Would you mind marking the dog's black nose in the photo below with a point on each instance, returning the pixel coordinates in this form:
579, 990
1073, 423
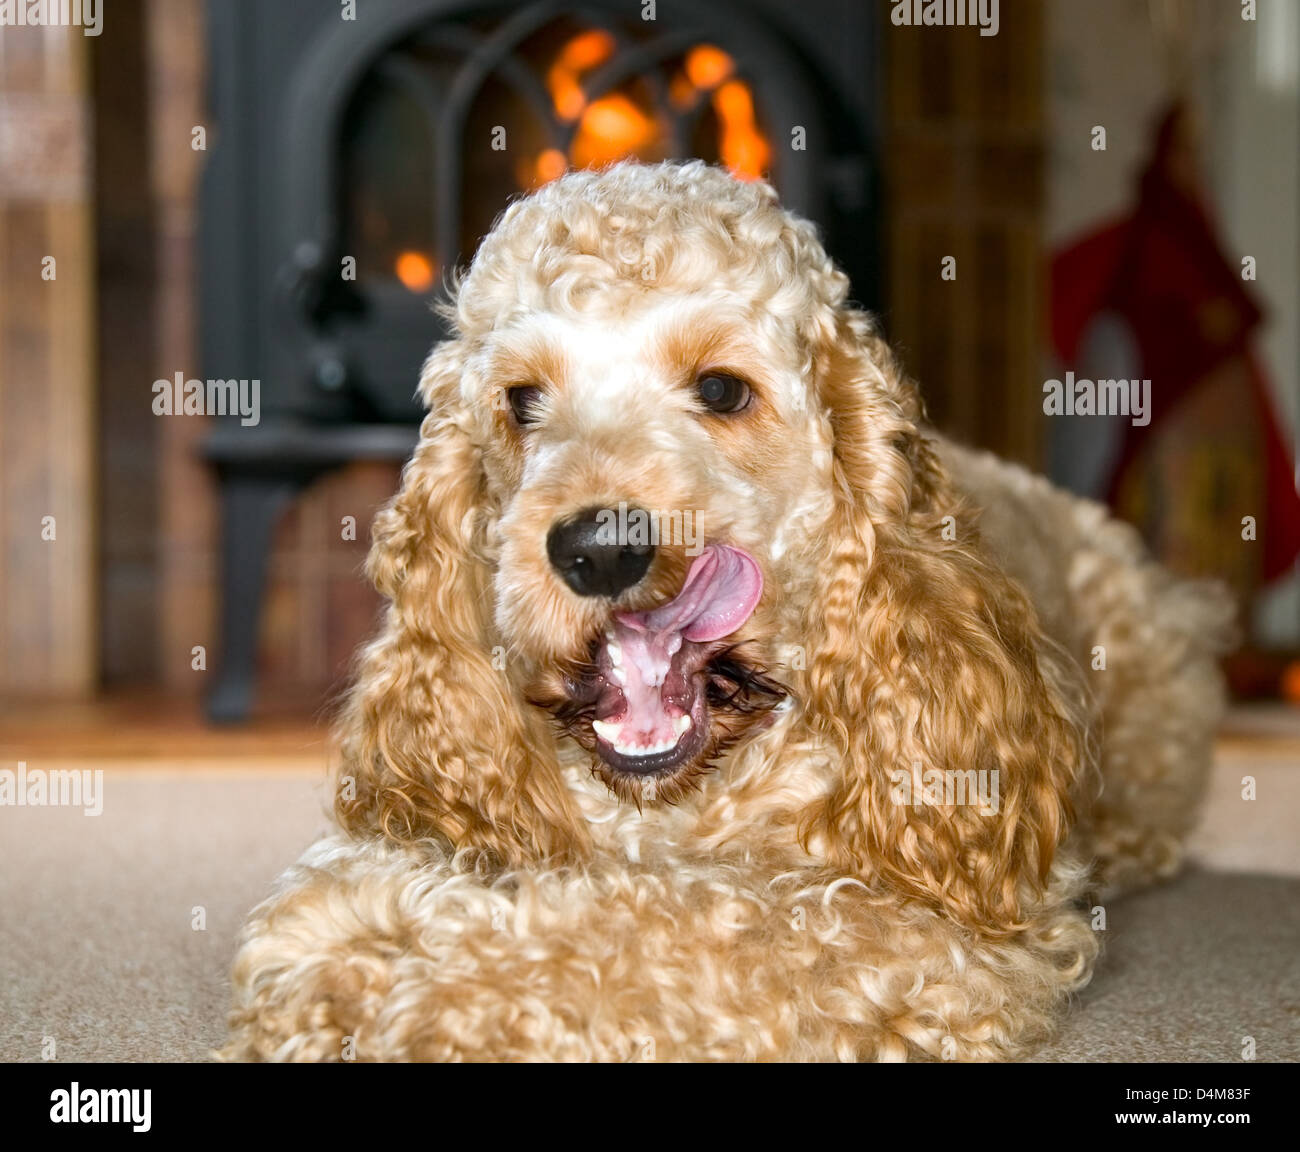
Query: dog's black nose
593, 556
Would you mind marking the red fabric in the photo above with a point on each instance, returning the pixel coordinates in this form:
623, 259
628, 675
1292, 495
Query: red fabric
1164, 272
1282, 530
1081, 278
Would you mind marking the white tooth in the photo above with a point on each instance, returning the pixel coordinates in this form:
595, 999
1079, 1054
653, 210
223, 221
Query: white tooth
618, 675
681, 724
634, 750
606, 731
615, 651
641, 750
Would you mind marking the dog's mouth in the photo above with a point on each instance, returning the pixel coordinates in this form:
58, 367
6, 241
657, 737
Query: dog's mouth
664, 690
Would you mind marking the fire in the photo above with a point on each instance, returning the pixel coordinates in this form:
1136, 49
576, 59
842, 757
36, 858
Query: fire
531, 172
682, 93
610, 129
581, 54
587, 50
614, 127
415, 270
744, 150
707, 66
551, 165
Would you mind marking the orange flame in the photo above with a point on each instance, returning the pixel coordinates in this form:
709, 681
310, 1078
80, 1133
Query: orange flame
682, 93
743, 148
707, 66
587, 50
415, 270
584, 52
551, 165
614, 127
610, 129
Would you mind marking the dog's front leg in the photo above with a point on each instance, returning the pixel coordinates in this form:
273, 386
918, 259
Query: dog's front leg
370, 952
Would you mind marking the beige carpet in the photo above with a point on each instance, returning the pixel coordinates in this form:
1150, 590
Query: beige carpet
98, 948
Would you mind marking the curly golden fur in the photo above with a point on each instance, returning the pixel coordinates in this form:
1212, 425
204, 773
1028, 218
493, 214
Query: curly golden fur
499, 891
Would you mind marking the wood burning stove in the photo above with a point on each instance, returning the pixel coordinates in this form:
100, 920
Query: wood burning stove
357, 162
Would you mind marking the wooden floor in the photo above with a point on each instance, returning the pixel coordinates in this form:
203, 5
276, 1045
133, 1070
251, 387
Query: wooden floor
151, 727
1266, 729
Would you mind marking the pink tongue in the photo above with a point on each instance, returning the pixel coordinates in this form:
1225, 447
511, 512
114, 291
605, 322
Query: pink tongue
720, 593
721, 590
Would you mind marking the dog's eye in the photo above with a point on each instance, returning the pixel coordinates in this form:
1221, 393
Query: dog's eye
719, 392
523, 402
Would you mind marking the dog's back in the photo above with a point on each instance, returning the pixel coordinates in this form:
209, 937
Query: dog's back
1147, 643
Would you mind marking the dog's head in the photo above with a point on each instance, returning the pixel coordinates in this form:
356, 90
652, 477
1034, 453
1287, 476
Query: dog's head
669, 483
634, 360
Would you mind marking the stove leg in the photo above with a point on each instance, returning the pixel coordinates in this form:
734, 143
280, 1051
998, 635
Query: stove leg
250, 507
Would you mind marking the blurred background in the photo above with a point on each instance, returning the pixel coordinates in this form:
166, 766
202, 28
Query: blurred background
253, 190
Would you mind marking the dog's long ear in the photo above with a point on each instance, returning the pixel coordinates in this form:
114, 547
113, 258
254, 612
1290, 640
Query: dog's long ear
434, 739
925, 662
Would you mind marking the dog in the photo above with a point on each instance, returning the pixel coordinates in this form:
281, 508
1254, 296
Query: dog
835, 774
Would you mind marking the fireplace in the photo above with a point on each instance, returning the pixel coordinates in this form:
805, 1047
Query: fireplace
357, 163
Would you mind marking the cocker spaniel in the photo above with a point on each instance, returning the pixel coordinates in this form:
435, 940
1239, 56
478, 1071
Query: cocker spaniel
721, 709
